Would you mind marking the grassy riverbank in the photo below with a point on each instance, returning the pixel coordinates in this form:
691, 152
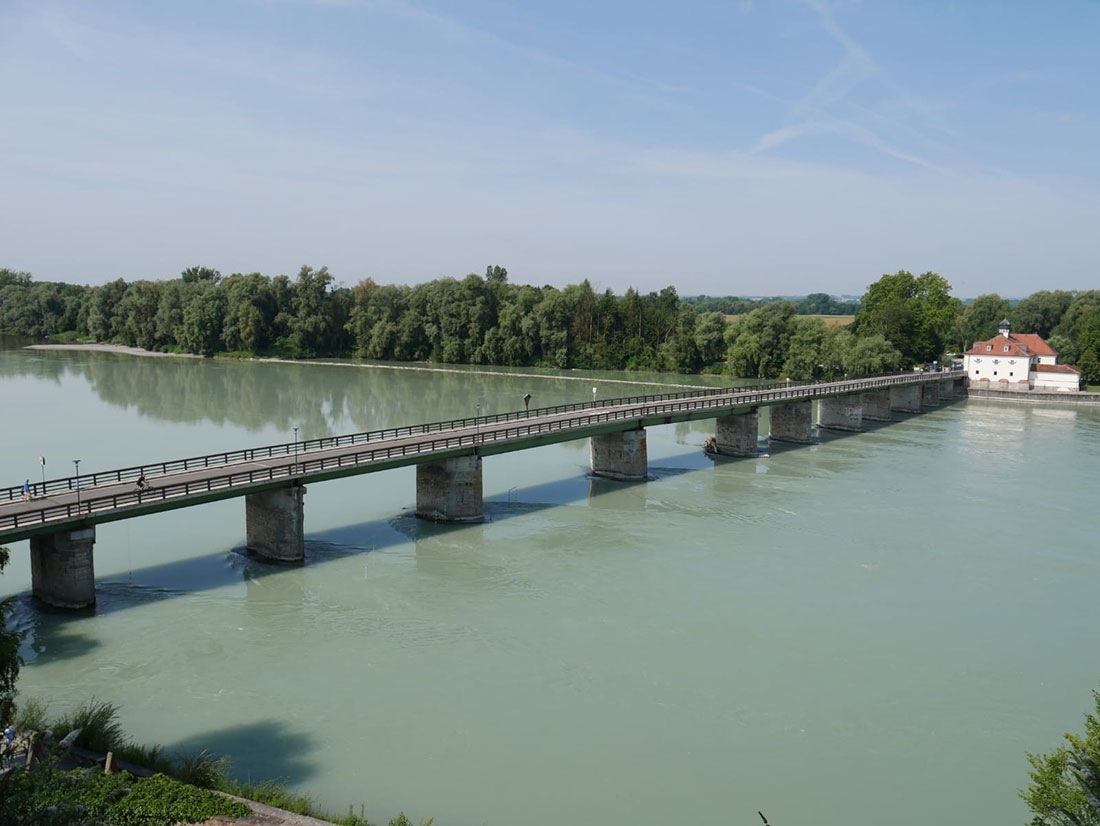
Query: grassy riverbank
100, 732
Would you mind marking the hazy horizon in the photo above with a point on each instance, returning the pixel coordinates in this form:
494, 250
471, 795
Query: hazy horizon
726, 148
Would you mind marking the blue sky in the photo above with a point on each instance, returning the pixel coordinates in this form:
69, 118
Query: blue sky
724, 147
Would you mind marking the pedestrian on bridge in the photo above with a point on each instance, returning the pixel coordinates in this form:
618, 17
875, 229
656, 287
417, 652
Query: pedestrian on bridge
27, 490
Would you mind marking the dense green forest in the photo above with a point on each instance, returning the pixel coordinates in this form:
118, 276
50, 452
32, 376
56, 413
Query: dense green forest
902, 320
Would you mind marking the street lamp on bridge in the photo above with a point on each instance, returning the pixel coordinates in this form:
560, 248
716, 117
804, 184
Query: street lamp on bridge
77, 463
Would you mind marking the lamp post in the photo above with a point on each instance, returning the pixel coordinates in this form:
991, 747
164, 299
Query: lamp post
477, 424
42, 461
295, 449
527, 402
593, 395
77, 463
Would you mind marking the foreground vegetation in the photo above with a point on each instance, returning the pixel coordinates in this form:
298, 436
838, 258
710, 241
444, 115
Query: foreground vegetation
176, 791
1065, 782
47, 795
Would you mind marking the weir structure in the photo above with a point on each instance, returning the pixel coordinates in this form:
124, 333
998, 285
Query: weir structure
61, 515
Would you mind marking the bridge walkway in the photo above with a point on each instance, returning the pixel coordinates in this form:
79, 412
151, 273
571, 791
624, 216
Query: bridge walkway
110, 495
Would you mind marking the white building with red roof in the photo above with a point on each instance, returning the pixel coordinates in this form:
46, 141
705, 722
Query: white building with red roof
1018, 361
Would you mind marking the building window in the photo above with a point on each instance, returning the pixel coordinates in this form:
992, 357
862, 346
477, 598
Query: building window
988, 347
1006, 348
1011, 373
994, 372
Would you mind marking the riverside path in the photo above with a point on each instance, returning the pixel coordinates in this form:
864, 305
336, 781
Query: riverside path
60, 516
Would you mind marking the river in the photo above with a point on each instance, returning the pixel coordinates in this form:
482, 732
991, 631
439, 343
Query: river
872, 629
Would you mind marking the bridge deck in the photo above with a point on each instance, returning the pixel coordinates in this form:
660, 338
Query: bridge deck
112, 495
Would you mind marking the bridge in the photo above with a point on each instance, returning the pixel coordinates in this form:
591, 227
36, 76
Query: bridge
60, 515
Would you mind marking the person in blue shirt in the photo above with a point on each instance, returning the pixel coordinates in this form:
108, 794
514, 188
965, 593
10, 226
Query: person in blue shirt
27, 490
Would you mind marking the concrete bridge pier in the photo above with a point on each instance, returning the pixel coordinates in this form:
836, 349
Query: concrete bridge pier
792, 422
930, 394
736, 434
62, 569
876, 405
450, 491
905, 398
621, 456
841, 412
275, 524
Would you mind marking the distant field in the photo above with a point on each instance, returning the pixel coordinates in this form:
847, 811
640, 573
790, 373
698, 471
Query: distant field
830, 320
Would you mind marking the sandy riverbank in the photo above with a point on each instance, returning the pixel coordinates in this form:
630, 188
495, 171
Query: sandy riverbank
111, 348
137, 351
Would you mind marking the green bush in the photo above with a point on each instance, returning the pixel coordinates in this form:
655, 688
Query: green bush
160, 800
1065, 782
119, 799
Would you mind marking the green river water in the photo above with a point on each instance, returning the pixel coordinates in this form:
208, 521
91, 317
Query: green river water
873, 629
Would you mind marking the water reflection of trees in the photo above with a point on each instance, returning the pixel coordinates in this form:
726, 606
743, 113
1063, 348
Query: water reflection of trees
319, 399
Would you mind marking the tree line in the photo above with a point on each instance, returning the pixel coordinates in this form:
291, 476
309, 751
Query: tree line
902, 320
812, 304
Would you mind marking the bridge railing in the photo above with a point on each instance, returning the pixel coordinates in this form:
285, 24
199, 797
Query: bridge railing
310, 465
286, 449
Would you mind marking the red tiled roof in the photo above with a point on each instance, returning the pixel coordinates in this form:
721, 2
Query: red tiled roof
1019, 344
998, 344
1055, 368
1034, 343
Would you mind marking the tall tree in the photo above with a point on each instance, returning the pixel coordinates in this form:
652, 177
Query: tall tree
979, 320
203, 322
761, 341
1040, 312
193, 275
915, 314
804, 355
710, 329
311, 327
869, 356
138, 309
1078, 319
103, 320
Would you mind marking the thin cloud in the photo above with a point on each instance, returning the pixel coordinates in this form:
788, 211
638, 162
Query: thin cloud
814, 111
847, 129
454, 28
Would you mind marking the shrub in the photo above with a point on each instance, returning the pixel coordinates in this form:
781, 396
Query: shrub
76, 797
1065, 783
